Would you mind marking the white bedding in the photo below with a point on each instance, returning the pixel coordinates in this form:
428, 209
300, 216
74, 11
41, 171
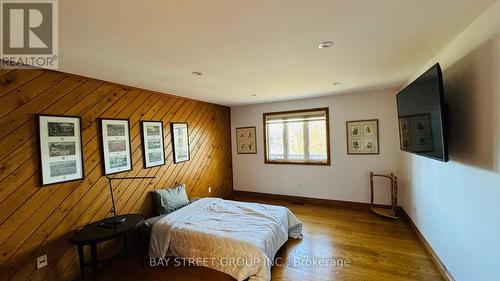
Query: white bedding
238, 238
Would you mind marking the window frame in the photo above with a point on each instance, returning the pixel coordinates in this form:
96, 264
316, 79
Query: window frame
299, 162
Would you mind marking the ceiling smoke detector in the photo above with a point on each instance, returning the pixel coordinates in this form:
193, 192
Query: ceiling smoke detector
325, 44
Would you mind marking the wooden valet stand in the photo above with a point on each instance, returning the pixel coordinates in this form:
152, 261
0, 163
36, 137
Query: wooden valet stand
386, 210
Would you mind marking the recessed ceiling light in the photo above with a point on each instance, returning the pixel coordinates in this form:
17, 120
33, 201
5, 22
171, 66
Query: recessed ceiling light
325, 44
197, 73
336, 83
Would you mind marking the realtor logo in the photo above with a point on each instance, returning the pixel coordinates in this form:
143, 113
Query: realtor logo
29, 34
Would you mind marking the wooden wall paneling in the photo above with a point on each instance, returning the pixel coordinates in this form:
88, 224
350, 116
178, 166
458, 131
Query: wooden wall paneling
93, 146
12, 161
26, 92
12, 79
200, 150
203, 152
167, 138
218, 174
196, 149
189, 117
134, 192
129, 188
28, 130
103, 210
103, 197
199, 132
168, 173
104, 202
126, 100
10, 122
137, 151
56, 226
210, 162
24, 153
34, 220
27, 169
165, 172
89, 199
5, 71
51, 200
83, 220
39, 196
206, 149
193, 177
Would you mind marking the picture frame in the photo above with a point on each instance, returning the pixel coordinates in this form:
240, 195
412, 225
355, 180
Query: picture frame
153, 147
246, 141
60, 148
362, 137
115, 146
180, 141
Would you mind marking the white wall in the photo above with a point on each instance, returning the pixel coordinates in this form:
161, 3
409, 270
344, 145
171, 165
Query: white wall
347, 177
456, 205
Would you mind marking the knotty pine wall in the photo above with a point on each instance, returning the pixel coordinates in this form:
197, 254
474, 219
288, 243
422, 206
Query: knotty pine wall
37, 220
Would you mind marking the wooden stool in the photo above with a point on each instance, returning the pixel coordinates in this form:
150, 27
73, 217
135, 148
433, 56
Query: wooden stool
386, 211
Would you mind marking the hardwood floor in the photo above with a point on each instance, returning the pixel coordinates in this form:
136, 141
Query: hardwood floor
376, 248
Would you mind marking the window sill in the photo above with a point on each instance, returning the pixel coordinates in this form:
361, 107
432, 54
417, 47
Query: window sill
312, 163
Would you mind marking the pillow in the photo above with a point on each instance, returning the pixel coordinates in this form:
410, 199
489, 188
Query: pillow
170, 199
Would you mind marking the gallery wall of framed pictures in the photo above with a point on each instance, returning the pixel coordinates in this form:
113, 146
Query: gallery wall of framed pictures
61, 153
153, 149
362, 137
115, 140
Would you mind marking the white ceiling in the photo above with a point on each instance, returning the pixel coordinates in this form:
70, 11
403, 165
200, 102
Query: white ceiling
262, 47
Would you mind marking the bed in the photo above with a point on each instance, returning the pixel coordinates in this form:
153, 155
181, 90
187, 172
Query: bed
237, 238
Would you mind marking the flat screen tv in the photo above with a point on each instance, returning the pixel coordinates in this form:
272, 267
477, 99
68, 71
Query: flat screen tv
422, 118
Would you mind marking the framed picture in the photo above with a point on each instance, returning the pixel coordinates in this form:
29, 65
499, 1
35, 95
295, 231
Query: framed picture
180, 142
116, 154
61, 152
362, 137
246, 140
153, 150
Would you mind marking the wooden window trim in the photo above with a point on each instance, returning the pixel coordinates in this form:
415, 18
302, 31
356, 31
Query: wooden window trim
308, 162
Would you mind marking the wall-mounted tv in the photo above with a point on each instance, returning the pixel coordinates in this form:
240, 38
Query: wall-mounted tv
422, 118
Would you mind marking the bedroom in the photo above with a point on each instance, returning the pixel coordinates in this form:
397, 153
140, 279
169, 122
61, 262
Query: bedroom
230, 140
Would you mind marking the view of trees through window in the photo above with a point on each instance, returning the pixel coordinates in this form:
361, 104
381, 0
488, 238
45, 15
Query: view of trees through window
299, 136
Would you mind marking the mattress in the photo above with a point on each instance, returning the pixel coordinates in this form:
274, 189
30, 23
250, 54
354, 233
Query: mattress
237, 238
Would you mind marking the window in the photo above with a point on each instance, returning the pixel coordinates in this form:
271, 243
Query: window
297, 137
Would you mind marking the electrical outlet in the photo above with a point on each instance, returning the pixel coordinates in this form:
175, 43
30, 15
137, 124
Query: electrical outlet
41, 261
209, 189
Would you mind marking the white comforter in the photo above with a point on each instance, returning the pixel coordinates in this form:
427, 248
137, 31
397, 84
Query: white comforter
240, 239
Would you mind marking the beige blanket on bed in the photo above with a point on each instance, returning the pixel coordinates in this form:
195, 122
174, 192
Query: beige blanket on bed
240, 239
